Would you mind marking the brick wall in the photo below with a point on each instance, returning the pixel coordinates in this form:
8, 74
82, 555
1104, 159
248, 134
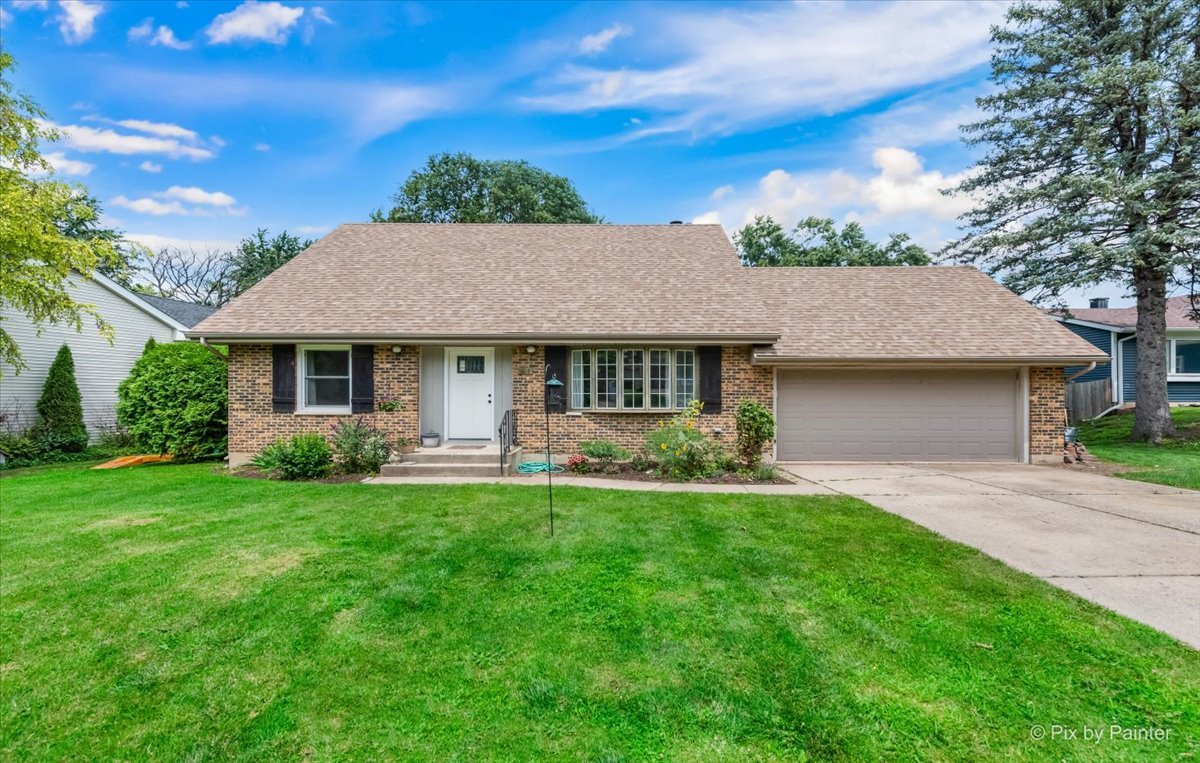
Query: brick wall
1047, 413
253, 424
739, 381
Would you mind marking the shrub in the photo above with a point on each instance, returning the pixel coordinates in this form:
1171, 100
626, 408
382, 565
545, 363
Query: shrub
641, 462
681, 449
306, 456
60, 410
360, 447
578, 463
270, 458
755, 427
174, 401
604, 451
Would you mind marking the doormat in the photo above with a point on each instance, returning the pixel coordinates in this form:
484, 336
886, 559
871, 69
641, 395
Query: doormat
466, 447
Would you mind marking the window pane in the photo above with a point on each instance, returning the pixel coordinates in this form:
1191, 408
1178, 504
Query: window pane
685, 377
328, 392
633, 377
470, 364
581, 378
1187, 356
660, 378
328, 362
606, 378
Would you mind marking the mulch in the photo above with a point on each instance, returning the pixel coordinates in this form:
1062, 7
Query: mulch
627, 472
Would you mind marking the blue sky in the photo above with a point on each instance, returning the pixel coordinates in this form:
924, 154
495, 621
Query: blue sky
197, 122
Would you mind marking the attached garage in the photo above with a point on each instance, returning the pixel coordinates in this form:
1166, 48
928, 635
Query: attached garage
877, 415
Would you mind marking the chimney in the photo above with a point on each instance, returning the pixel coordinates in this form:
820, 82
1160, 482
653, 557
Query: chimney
1096, 302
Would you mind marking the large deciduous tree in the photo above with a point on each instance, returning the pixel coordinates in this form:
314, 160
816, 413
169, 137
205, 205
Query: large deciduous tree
458, 188
816, 242
260, 255
1092, 170
36, 255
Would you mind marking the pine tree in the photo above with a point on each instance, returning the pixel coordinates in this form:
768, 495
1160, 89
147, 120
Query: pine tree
60, 410
1092, 170
150, 345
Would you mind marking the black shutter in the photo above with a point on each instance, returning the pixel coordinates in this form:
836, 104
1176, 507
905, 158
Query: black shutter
556, 358
709, 359
283, 378
362, 378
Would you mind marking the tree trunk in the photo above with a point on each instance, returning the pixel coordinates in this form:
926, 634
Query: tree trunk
1152, 415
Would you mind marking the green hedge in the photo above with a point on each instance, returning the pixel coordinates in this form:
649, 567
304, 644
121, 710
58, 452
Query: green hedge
175, 401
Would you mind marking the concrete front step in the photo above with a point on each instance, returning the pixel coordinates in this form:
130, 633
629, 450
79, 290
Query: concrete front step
410, 469
489, 455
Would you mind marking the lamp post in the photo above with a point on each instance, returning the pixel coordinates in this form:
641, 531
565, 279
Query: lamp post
552, 396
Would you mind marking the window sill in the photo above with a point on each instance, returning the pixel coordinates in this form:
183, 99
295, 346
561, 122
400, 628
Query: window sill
324, 411
625, 411
1183, 377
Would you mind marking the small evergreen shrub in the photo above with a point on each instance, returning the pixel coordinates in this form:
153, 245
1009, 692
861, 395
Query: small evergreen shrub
360, 447
60, 425
682, 451
605, 452
175, 401
306, 456
755, 427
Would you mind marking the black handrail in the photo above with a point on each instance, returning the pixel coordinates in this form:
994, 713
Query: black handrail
508, 436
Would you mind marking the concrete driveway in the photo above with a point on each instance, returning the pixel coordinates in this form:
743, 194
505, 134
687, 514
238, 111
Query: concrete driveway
1130, 546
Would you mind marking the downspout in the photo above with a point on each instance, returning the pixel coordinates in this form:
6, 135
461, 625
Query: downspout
1090, 367
225, 358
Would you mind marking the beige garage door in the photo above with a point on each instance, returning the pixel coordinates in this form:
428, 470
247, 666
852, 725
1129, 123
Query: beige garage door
898, 416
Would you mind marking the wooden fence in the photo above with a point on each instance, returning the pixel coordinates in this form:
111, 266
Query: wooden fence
1088, 399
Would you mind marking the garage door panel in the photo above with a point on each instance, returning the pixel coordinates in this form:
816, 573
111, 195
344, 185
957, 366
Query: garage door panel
907, 416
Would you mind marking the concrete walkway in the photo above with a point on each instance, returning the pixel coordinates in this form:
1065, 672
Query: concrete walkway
1130, 546
800, 487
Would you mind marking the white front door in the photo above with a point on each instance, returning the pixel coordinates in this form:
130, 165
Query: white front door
470, 390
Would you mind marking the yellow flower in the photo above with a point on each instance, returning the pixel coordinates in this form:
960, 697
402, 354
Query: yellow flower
677, 453
690, 423
662, 446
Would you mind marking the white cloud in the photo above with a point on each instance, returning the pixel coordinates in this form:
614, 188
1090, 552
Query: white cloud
309, 230
217, 141
254, 21
181, 4
85, 138
318, 13
195, 195
149, 166
24, 5
142, 30
720, 193
751, 66
901, 192
598, 43
148, 206
64, 165
77, 20
6, 18
155, 242
166, 38
313, 15
264, 147
161, 129
925, 119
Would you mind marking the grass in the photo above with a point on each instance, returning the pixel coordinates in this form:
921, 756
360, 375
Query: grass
172, 612
1176, 462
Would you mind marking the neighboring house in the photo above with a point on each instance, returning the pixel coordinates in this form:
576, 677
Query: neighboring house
99, 365
1113, 330
459, 322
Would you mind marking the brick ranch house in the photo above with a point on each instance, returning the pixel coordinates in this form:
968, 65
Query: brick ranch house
460, 322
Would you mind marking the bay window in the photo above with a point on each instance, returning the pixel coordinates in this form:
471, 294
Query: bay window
632, 379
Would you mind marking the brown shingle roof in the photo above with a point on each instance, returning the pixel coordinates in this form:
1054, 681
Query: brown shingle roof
395, 282
1178, 315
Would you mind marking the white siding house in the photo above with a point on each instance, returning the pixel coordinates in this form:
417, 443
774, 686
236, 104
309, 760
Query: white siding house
99, 365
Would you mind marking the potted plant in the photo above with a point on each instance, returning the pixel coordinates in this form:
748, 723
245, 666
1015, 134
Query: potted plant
389, 404
407, 445
430, 439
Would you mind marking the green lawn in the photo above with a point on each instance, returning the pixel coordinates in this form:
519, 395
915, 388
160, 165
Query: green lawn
172, 612
1176, 462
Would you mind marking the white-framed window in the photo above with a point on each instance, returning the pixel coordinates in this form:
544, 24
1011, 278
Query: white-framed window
325, 378
632, 378
1183, 357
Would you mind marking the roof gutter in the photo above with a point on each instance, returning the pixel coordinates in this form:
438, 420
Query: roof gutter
926, 362
510, 338
1089, 367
